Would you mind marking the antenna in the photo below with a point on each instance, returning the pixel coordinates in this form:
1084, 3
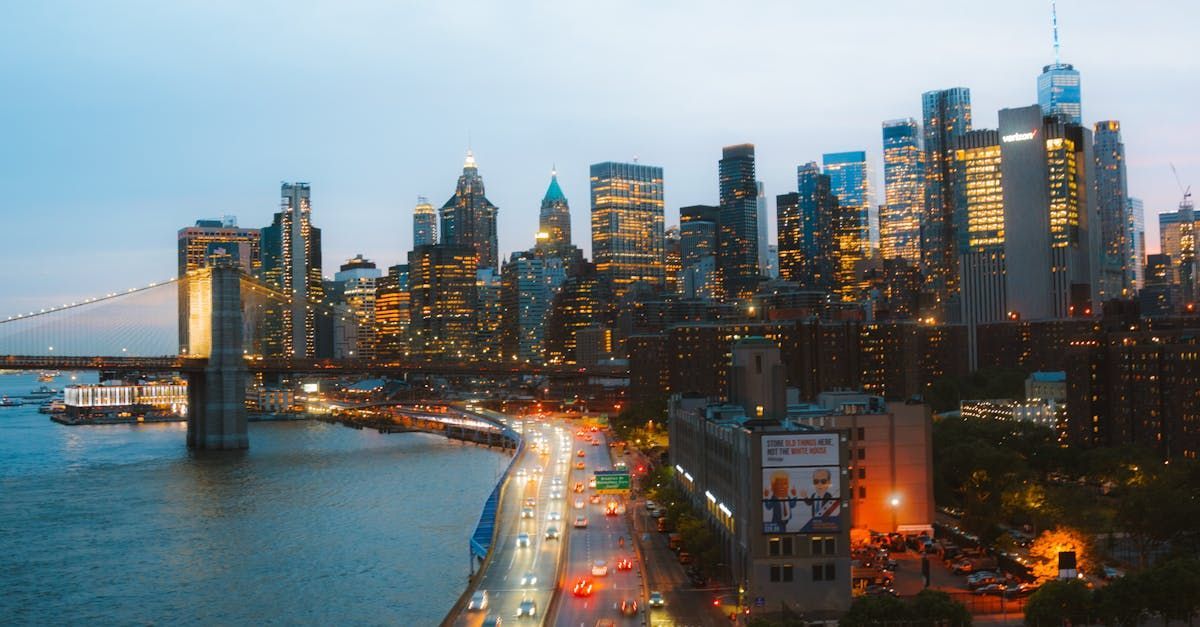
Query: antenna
1054, 25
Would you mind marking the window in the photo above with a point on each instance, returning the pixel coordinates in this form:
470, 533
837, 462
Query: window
783, 572
824, 572
830, 546
862, 433
862, 453
862, 473
787, 572
773, 547
787, 546
830, 572
862, 491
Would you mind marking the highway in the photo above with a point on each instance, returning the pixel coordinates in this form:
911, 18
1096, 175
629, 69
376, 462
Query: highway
606, 538
507, 579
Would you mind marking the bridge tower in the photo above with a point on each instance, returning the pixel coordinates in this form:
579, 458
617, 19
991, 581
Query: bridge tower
217, 391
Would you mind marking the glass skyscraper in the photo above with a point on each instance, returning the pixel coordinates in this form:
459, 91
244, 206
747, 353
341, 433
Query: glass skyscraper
807, 248
1112, 203
1058, 92
903, 182
737, 241
947, 116
627, 224
291, 264
1136, 215
469, 219
555, 217
849, 182
424, 223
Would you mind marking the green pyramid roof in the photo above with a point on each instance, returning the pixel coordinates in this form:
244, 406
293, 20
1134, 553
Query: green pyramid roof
554, 192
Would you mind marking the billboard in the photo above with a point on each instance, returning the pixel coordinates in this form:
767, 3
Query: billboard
612, 482
800, 449
801, 483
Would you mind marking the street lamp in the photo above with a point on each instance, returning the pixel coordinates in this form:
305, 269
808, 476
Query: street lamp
895, 502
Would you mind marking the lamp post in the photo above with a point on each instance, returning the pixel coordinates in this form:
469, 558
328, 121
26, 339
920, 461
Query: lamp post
895, 502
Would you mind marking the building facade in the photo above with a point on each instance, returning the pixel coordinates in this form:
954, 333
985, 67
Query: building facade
425, 232
849, 181
469, 218
946, 116
627, 224
737, 238
554, 219
1058, 93
291, 250
442, 302
197, 245
1112, 205
904, 189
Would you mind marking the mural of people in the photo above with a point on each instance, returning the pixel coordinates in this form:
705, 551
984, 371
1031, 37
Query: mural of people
780, 499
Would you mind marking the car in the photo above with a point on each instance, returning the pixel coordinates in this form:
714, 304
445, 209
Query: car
610, 509
522, 539
995, 589
656, 599
599, 568
649, 505
1111, 573
579, 453
629, 607
526, 512
605, 622
580, 466
578, 486
594, 499
592, 483
478, 602
624, 564
492, 621
578, 503
531, 502
595, 443
527, 608
556, 494
981, 579
551, 532
556, 481
581, 521
555, 515
656, 513
698, 580
529, 579
582, 588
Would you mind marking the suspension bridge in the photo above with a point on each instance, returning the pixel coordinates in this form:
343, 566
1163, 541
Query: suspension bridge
212, 327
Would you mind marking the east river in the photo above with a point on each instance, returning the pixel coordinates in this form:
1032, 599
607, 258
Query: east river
315, 524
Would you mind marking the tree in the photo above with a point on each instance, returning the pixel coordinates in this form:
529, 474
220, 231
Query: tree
1046, 548
1172, 589
1059, 601
934, 607
875, 610
1122, 602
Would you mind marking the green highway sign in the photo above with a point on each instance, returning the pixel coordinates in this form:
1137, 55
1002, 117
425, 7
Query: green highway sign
612, 482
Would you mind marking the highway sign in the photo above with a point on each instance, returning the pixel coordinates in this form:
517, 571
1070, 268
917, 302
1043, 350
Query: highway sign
612, 481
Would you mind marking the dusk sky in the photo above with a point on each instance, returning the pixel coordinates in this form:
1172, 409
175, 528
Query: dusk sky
125, 121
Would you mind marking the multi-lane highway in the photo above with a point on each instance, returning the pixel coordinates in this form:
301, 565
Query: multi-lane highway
606, 539
524, 561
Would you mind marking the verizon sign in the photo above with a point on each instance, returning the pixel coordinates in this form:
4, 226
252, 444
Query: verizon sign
1019, 137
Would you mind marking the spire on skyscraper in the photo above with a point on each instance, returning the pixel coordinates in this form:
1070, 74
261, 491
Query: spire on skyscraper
470, 162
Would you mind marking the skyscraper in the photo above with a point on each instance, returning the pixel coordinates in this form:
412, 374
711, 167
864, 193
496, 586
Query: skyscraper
424, 223
442, 302
947, 115
849, 182
356, 284
291, 250
627, 224
807, 248
530, 280
1136, 215
469, 219
392, 314
1112, 203
737, 237
198, 245
903, 182
1049, 235
1177, 239
764, 259
979, 198
1058, 85
698, 251
555, 217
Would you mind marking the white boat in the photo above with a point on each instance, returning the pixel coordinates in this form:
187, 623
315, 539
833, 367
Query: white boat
11, 402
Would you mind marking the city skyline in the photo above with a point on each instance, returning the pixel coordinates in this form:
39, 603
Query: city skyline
153, 152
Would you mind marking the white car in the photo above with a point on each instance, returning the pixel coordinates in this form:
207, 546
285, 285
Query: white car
527, 608
551, 532
581, 521
522, 539
529, 579
556, 494
554, 516
527, 512
478, 602
599, 568
578, 503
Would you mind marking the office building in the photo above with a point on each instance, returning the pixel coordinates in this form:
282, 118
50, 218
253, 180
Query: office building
904, 190
698, 225
979, 199
1112, 204
627, 225
198, 245
529, 282
737, 236
849, 181
443, 302
469, 218
291, 251
1136, 215
807, 248
1046, 173
673, 268
1159, 297
356, 282
425, 232
1177, 239
583, 300
764, 257
773, 491
946, 116
392, 314
555, 217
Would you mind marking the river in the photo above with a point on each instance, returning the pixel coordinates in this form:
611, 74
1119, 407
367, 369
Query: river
314, 524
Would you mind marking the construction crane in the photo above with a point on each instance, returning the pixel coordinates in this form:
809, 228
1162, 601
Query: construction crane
1187, 192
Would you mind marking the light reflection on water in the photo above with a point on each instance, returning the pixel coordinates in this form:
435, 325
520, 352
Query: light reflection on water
315, 524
